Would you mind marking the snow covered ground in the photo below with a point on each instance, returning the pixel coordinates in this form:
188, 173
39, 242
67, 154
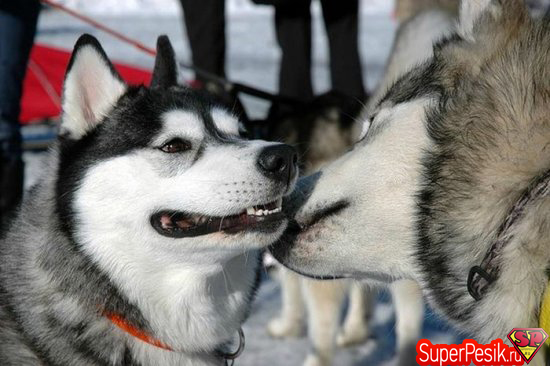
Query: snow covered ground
170, 7
252, 58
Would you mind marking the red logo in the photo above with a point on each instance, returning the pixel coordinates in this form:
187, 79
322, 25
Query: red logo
527, 341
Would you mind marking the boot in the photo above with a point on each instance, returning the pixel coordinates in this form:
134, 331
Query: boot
11, 188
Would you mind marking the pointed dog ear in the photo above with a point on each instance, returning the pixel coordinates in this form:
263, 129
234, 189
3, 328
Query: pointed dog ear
471, 12
91, 88
478, 16
485, 26
165, 73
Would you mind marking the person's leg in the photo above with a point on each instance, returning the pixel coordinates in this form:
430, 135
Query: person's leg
17, 30
341, 22
293, 29
205, 26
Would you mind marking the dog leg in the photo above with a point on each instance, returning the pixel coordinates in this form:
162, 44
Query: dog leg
324, 302
291, 321
355, 329
409, 313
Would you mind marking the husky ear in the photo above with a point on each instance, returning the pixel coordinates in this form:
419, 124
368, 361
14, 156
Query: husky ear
165, 73
471, 11
485, 26
479, 17
92, 87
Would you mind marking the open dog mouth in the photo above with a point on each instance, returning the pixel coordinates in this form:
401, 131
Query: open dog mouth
177, 224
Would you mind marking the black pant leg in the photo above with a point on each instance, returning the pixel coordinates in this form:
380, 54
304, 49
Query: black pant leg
205, 26
293, 29
341, 22
17, 29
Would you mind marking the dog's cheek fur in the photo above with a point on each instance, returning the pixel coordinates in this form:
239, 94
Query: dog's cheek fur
194, 292
382, 176
178, 285
62, 323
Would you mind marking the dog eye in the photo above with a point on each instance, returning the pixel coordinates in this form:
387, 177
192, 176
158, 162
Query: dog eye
365, 129
175, 146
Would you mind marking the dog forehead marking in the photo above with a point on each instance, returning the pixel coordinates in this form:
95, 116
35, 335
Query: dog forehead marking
182, 123
225, 122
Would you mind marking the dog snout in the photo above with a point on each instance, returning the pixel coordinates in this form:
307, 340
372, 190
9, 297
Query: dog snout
279, 162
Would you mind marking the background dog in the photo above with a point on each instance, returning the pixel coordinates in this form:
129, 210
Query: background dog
321, 132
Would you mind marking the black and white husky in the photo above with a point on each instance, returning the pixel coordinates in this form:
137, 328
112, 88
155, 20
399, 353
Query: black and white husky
140, 244
454, 159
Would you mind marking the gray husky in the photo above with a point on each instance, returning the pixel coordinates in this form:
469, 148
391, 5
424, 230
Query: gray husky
140, 244
449, 183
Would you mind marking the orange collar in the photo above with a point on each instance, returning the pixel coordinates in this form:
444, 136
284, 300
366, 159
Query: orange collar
120, 322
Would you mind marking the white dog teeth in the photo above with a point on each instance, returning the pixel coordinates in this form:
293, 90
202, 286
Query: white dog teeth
251, 211
266, 212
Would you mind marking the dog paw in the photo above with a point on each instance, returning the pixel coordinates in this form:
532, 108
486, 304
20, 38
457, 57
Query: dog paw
315, 360
348, 338
281, 328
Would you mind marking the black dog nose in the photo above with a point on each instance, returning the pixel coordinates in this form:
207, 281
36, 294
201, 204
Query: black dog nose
278, 162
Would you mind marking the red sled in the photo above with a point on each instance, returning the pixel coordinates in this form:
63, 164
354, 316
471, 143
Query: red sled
44, 80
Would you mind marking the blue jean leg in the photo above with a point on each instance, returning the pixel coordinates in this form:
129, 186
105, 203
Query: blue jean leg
17, 30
